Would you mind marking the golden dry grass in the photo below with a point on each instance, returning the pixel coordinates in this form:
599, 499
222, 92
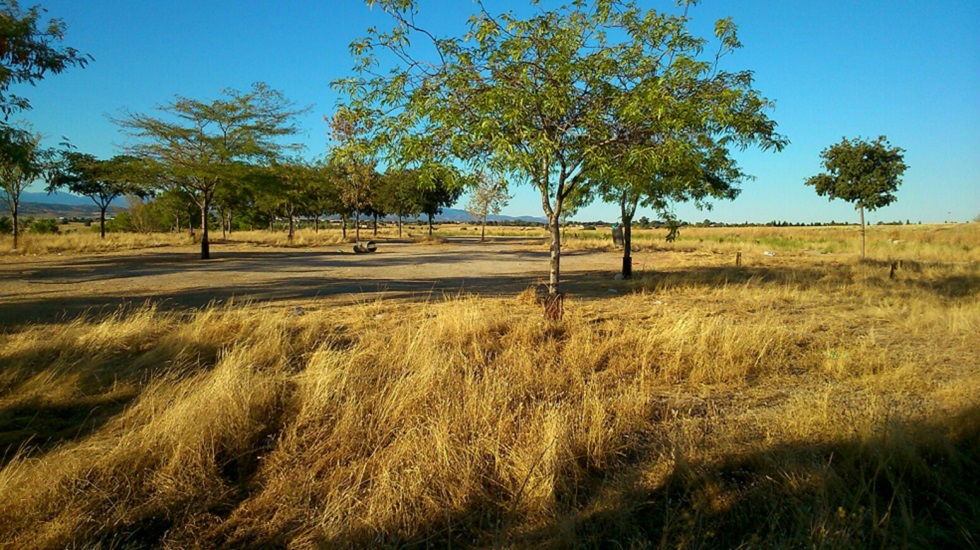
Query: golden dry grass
805, 403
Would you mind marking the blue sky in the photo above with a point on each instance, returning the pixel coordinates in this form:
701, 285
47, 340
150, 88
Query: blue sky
906, 69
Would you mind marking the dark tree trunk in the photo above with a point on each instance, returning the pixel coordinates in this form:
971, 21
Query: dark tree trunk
292, 230
316, 223
16, 221
102, 220
627, 257
399, 226
343, 225
430, 225
483, 230
205, 244
357, 226
627, 210
375, 225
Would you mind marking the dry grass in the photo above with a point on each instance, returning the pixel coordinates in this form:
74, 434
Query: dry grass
806, 402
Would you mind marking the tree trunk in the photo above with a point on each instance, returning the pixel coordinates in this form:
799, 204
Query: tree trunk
102, 220
177, 215
554, 227
862, 231
205, 244
375, 225
343, 225
627, 257
16, 222
399, 226
316, 223
430, 225
483, 230
292, 230
357, 225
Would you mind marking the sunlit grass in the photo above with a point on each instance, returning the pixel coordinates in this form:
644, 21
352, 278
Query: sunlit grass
800, 402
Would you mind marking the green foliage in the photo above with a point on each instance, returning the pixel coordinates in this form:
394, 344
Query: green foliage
196, 147
29, 52
43, 225
559, 100
866, 173
6, 226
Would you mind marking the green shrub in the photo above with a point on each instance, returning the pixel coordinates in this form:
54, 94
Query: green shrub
6, 225
43, 225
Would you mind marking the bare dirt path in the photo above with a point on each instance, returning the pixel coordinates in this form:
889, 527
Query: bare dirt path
50, 288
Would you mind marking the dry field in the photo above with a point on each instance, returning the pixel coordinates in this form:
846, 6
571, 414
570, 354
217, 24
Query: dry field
417, 397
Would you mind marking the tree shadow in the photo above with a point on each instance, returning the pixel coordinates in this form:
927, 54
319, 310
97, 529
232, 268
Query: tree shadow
90, 388
910, 486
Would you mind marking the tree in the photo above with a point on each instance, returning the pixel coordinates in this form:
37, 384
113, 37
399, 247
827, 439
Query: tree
686, 167
866, 173
100, 180
199, 146
356, 182
488, 195
438, 193
22, 161
399, 194
544, 98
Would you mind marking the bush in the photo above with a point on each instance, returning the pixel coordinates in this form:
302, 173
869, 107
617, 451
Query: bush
6, 225
43, 225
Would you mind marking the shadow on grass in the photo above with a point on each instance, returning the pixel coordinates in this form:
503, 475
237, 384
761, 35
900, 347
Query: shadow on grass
911, 486
89, 389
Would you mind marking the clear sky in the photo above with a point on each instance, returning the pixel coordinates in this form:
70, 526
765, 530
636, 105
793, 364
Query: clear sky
906, 69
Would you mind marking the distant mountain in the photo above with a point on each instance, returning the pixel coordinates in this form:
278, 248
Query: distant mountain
55, 210
55, 198
457, 215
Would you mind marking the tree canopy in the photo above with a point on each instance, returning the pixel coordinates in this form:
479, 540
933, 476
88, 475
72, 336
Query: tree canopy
556, 99
197, 146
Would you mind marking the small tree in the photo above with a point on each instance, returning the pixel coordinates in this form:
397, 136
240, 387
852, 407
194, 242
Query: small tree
399, 194
488, 196
866, 173
100, 180
22, 161
437, 193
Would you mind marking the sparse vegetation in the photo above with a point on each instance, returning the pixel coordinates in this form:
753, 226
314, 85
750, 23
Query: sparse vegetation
809, 401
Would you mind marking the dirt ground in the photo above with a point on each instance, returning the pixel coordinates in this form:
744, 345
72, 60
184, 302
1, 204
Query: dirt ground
43, 289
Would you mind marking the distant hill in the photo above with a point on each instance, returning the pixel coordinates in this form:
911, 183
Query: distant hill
457, 215
55, 210
62, 198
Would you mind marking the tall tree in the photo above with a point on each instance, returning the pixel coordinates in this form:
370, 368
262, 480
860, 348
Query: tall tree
200, 146
866, 173
22, 162
488, 195
100, 180
544, 97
